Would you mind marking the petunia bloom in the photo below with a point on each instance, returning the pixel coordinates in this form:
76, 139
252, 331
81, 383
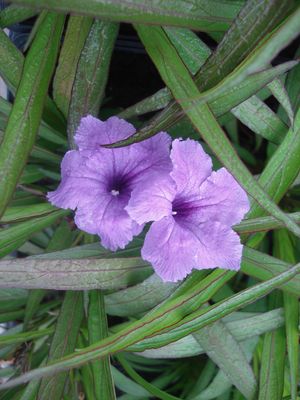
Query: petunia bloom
98, 182
193, 209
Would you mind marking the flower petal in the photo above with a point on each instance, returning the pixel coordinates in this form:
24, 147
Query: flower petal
191, 166
108, 219
175, 249
92, 132
78, 182
223, 199
152, 200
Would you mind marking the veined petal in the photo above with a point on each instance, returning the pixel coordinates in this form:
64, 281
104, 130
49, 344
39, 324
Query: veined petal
191, 166
223, 199
174, 249
92, 132
152, 200
79, 185
108, 219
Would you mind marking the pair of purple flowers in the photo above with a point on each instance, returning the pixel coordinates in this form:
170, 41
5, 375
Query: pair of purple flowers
116, 191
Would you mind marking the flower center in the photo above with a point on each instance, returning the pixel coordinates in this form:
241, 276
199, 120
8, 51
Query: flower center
181, 208
118, 186
115, 192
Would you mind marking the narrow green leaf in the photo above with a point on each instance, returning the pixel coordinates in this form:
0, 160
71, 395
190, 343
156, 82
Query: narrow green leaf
262, 224
63, 343
12, 299
60, 274
25, 117
149, 326
13, 237
97, 329
213, 16
75, 36
284, 249
139, 298
241, 326
221, 384
282, 169
153, 390
256, 19
255, 114
272, 363
91, 74
180, 82
191, 49
21, 213
11, 72
279, 92
14, 14
222, 348
23, 337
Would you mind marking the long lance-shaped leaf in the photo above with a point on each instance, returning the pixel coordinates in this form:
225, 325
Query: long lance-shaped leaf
11, 69
176, 76
63, 343
97, 327
26, 113
249, 29
262, 224
271, 377
282, 169
75, 36
221, 347
15, 14
83, 274
213, 16
284, 249
145, 328
258, 116
166, 346
13, 237
91, 74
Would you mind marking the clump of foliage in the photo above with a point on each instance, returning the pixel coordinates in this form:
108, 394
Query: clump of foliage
83, 322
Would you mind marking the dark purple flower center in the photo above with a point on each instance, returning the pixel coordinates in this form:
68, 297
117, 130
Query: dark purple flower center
118, 185
182, 208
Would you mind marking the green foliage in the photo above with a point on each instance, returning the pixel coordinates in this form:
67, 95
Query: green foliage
117, 331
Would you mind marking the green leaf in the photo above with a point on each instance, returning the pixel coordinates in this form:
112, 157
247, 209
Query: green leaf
282, 168
263, 267
14, 14
221, 384
279, 92
241, 325
18, 338
191, 49
25, 117
272, 363
151, 323
61, 274
284, 249
262, 224
75, 36
21, 213
222, 348
173, 71
91, 74
139, 298
11, 69
63, 343
13, 237
97, 328
254, 22
153, 390
213, 16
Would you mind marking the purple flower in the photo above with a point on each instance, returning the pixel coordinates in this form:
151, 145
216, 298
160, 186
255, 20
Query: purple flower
98, 182
194, 209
